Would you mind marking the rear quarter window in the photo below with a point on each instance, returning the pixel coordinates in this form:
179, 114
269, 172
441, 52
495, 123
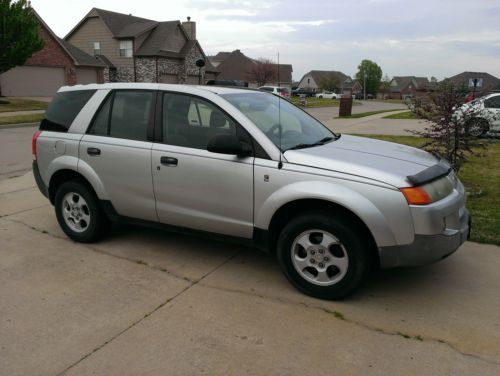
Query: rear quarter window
63, 110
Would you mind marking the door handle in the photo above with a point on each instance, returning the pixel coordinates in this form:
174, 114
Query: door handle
168, 161
93, 151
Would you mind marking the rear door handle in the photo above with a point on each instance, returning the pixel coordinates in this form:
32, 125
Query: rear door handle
93, 151
168, 161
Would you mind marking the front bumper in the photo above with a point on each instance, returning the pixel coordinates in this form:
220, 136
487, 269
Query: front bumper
426, 249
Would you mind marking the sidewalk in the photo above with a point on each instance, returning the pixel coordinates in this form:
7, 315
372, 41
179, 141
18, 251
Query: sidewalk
19, 113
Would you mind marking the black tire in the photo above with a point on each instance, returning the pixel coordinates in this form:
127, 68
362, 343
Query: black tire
98, 223
355, 247
477, 127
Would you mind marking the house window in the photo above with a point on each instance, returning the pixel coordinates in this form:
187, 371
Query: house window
126, 48
308, 80
97, 48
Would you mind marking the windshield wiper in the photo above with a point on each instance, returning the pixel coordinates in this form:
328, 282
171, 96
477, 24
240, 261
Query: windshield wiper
317, 143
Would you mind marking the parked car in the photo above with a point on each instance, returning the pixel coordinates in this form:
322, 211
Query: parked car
227, 83
328, 95
301, 92
361, 96
277, 90
217, 160
487, 115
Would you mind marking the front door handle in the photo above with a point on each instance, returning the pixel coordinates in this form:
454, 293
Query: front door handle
168, 161
93, 151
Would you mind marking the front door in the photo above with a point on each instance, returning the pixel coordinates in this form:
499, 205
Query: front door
195, 188
117, 150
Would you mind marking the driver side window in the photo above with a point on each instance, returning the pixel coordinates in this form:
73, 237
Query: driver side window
191, 121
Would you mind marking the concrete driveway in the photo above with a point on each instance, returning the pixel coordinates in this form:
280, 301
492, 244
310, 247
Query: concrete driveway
149, 302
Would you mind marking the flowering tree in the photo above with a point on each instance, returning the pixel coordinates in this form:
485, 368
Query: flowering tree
452, 129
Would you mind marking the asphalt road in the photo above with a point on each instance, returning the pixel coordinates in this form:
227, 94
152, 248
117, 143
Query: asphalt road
145, 302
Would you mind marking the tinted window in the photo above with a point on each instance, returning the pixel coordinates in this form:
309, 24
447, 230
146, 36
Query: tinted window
493, 102
99, 126
130, 114
191, 122
63, 110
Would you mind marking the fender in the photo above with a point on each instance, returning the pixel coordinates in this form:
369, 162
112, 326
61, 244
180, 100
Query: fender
63, 162
350, 199
88, 173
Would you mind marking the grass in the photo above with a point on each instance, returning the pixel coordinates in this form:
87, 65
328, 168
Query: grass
402, 115
480, 173
369, 113
17, 104
31, 118
320, 102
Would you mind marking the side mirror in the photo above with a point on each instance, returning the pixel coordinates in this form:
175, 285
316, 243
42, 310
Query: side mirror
229, 144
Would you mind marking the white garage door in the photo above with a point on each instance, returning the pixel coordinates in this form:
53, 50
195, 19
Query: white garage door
86, 76
32, 81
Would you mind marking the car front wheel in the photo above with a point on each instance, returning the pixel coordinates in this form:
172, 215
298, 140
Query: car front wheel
323, 256
477, 127
78, 212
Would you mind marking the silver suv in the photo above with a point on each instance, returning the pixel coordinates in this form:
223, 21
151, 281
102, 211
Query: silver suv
248, 165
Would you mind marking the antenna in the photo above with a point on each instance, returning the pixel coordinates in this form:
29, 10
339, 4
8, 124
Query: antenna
280, 163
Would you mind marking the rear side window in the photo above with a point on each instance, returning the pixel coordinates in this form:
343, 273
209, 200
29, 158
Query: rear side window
125, 114
493, 102
63, 110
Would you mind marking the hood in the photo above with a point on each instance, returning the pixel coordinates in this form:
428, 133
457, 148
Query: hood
382, 161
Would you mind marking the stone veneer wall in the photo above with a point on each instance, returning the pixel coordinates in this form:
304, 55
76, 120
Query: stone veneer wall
124, 74
145, 69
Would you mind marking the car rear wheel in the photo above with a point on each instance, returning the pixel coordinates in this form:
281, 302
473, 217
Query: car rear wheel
323, 256
78, 212
477, 127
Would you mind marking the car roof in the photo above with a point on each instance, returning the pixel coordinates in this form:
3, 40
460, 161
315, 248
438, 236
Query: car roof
155, 86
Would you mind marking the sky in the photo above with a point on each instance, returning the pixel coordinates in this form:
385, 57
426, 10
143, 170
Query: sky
437, 38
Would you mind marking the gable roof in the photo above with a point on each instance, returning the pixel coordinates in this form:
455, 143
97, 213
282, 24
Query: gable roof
121, 25
318, 75
78, 56
421, 83
236, 65
156, 41
489, 81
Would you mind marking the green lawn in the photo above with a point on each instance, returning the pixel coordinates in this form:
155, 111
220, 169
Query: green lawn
32, 118
320, 102
402, 115
369, 113
479, 174
16, 104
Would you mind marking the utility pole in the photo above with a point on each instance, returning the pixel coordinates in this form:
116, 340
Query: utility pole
364, 84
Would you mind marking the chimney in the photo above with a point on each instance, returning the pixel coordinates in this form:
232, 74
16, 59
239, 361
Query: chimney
190, 28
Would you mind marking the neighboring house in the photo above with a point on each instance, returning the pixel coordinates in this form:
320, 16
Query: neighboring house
311, 81
350, 87
59, 63
485, 82
236, 66
141, 50
402, 87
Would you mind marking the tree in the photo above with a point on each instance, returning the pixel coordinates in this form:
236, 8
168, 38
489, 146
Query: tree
19, 37
262, 71
449, 132
329, 83
373, 74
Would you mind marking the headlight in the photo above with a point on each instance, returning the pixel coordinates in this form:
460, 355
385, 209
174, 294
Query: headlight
428, 193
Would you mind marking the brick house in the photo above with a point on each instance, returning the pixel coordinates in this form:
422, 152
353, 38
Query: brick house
137, 49
59, 63
236, 66
485, 82
402, 87
311, 81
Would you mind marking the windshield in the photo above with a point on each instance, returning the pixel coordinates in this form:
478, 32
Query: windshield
298, 129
